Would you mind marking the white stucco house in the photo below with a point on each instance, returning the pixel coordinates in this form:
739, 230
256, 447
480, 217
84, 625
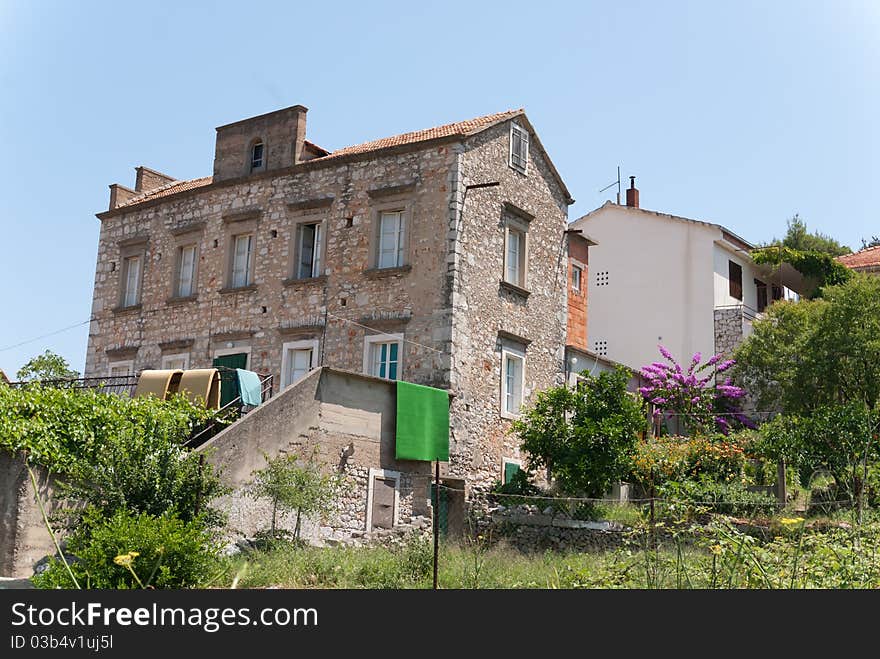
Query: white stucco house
688, 284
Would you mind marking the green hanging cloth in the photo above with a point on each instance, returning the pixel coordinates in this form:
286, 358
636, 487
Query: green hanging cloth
422, 423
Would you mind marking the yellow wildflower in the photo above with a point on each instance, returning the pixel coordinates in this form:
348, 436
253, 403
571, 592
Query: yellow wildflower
791, 521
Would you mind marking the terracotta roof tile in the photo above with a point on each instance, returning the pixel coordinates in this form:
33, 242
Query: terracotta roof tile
866, 258
170, 189
460, 128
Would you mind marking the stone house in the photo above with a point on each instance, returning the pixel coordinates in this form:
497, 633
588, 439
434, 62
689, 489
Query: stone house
440, 257
657, 278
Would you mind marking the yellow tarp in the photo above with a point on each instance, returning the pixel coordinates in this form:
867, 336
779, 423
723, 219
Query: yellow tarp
158, 383
201, 386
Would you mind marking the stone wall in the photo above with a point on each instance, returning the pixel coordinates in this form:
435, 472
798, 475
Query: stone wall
348, 420
23, 536
350, 294
728, 330
482, 307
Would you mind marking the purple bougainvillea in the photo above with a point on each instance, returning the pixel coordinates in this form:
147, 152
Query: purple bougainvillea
693, 396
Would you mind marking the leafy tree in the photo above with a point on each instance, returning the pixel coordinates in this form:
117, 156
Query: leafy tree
692, 395
583, 437
798, 238
48, 366
839, 438
808, 354
112, 452
296, 486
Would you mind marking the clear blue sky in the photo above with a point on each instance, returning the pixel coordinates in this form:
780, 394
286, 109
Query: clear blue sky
741, 113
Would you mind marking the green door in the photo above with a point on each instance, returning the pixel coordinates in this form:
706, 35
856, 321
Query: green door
228, 381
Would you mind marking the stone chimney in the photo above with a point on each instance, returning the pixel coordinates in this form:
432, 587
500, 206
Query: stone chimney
281, 134
119, 194
632, 194
148, 179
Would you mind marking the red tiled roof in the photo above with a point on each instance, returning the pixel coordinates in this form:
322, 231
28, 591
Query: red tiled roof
170, 189
458, 129
866, 258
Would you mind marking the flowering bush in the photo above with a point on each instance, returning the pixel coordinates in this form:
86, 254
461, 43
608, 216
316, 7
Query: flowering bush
661, 459
693, 396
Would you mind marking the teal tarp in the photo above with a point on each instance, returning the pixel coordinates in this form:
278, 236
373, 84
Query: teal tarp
250, 387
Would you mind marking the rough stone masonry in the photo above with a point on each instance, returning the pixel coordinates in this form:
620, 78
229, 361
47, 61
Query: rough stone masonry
445, 300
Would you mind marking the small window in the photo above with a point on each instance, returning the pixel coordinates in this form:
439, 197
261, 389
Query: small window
309, 251
600, 348
382, 355
186, 271
120, 369
735, 277
176, 362
257, 156
515, 257
602, 278
576, 275
519, 147
391, 239
298, 358
242, 260
512, 373
132, 274
776, 292
761, 288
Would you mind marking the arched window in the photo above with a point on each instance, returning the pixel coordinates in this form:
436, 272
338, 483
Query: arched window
257, 155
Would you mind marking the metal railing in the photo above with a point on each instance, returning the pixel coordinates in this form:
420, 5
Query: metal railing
748, 313
125, 385
122, 385
231, 411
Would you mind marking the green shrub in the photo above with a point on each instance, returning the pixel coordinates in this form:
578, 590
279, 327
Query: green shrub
164, 552
731, 498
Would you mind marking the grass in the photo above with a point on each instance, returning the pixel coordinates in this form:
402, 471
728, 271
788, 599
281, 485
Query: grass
716, 556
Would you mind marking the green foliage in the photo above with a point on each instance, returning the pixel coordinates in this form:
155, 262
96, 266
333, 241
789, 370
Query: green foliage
583, 437
48, 366
837, 438
660, 459
291, 484
799, 238
804, 355
134, 550
818, 268
720, 497
113, 452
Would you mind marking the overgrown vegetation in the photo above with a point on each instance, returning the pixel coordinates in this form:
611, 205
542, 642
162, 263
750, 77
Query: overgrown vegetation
48, 366
134, 550
583, 437
295, 485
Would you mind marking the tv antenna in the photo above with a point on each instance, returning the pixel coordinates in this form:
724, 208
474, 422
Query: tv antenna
612, 184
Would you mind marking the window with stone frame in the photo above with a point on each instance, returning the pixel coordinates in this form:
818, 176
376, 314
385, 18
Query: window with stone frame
242, 260
513, 362
308, 250
120, 368
519, 147
298, 358
516, 251
392, 237
179, 361
383, 355
185, 274
257, 155
133, 259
